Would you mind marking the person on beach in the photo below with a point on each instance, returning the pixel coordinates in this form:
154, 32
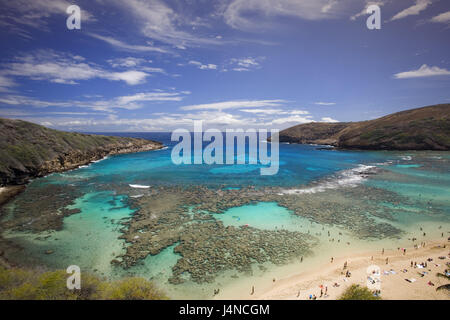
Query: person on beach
331, 259
387, 260
382, 251
253, 290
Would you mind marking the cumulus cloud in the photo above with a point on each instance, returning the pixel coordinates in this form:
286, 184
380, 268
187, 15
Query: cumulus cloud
292, 120
246, 64
328, 119
413, 10
423, 71
202, 66
128, 62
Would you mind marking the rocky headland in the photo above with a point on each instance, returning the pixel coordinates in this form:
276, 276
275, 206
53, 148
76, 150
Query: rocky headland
426, 128
30, 150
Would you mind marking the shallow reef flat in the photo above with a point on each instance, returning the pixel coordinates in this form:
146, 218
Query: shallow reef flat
190, 219
43, 207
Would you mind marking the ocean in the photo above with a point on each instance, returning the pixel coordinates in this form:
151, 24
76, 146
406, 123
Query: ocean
331, 195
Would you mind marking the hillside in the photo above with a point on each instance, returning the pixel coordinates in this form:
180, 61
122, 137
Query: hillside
29, 150
426, 128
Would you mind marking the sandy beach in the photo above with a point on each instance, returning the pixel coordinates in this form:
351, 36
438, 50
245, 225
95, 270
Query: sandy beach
392, 279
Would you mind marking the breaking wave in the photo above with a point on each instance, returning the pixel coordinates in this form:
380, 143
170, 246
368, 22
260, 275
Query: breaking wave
346, 178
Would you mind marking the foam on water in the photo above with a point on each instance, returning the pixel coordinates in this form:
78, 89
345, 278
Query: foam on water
346, 178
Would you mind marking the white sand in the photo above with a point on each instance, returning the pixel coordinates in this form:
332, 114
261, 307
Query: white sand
393, 286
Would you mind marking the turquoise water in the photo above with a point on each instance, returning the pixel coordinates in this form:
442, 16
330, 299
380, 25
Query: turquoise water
263, 215
90, 239
299, 164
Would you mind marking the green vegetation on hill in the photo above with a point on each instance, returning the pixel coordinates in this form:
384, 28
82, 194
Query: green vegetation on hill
29, 150
426, 128
21, 284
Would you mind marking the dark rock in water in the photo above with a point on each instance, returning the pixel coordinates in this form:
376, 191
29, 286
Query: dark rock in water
49, 252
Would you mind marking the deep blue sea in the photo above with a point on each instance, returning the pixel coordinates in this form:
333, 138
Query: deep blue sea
298, 164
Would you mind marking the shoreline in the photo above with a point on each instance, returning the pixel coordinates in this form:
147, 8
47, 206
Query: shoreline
393, 285
9, 191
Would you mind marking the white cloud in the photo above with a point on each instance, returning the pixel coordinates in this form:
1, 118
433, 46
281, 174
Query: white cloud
292, 120
269, 111
127, 47
6, 83
128, 62
245, 64
130, 102
131, 62
423, 71
442, 18
164, 121
235, 104
202, 66
328, 119
364, 11
19, 14
66, 69
130, 77
152, 96
160, 22
413, 10
244, 14
325, 103
262, 111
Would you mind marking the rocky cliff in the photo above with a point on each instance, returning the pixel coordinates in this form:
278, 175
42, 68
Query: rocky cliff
29, 150
426, 128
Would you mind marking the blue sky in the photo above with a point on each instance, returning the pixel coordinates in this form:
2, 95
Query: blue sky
157, 65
